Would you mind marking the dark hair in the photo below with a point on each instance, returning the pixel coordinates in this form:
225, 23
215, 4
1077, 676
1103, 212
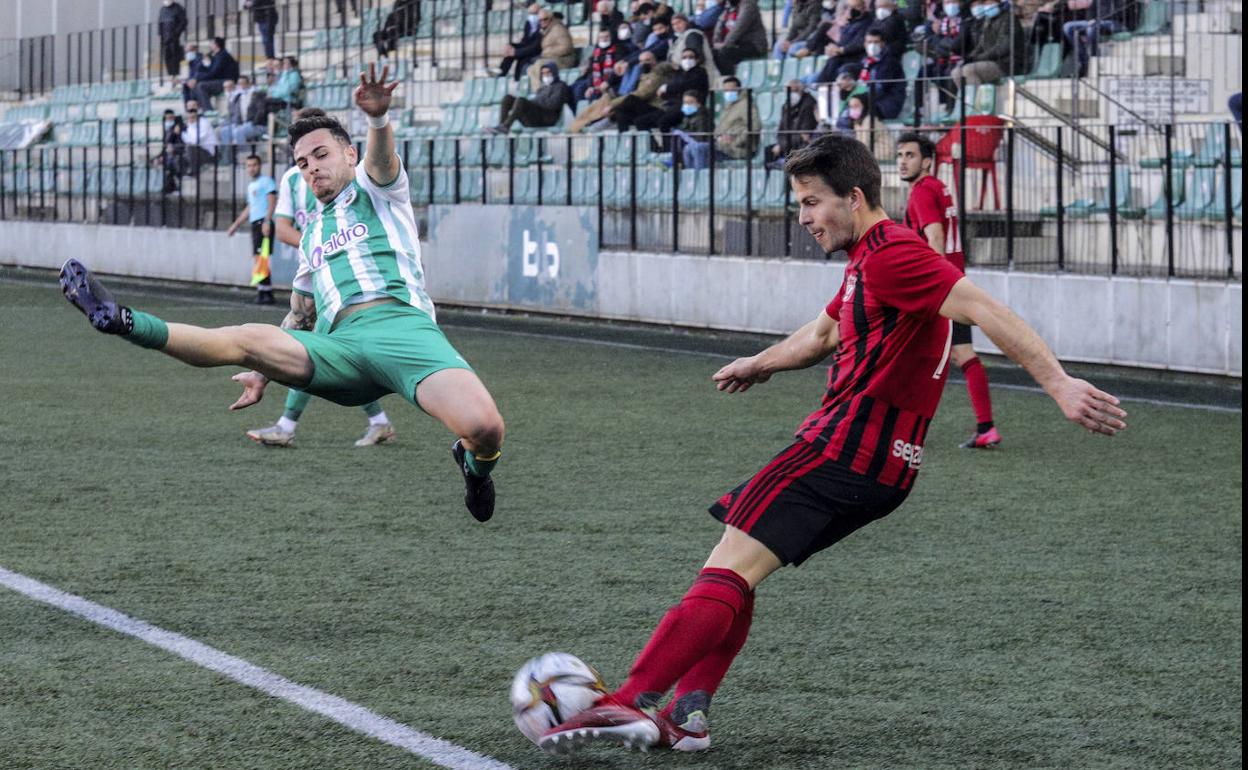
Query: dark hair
842, 162
697, 95
254, 157
169, 112
927, 148
294, 61
309, 112
730, 79
220, 42
303, 127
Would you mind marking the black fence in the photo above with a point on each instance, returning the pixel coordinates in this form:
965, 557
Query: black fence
1144, 201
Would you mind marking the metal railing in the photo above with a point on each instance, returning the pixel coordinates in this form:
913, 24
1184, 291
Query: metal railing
1167, 204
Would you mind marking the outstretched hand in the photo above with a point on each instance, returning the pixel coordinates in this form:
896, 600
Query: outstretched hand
1092, 409
373, 94
738, 376
253, 389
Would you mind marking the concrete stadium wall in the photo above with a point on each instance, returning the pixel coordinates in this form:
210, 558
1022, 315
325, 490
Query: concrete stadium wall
1176, 324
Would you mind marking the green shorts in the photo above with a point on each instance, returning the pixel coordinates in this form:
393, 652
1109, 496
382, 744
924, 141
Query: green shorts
383, 349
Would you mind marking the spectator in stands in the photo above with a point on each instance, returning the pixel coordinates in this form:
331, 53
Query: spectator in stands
659, 42
803, 23
824, 32
285, 92
199, 140
172, 156
739, 35
524, 51
402, 21
663, 111
607, 16
597, 73
942, 43
556, 45
884, 78
694, 128
797, 123
685, 35
1051, 18
264, 16
543, 109
342, 6
706, 14
890, 26
211, 81
642, 21
737, 132
601, 113
849, 46
1104, 17
246, 116
999, 46
196, 63
171, 24
1236, 105
261, 202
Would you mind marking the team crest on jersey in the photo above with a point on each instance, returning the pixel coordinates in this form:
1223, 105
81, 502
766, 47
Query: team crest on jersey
348, 197
850, 283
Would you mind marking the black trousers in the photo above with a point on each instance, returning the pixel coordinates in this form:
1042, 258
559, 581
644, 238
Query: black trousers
530, 114
171, 55
632, 111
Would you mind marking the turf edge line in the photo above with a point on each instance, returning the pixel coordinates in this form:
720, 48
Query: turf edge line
351, 715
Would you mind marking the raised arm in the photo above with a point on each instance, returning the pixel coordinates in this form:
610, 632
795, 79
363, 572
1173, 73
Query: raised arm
1082, 403
805, 347
373, 96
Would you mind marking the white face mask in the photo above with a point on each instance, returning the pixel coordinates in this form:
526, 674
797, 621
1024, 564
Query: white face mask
190, 56
874, 50
604, 43
548, 79
883, 13
794, 98
731, 96
688, 64
952, 10
624, 34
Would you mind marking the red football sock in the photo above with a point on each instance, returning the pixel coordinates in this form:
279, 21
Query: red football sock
977, 386
708, 672
687, 633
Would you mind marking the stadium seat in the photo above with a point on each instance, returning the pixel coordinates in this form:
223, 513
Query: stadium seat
554, 186
1217, 209
1048, 63
752, 74
1157, 210
1199, 195
1213, 148
1154, 19
695, 188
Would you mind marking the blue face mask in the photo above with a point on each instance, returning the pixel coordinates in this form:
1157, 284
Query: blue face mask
731, 96
953, 10
689, 109
992, 11
533, 20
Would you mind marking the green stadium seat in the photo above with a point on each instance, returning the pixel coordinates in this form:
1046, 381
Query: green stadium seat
1217, 209
1179, 159
584, 186
752, 74
1154, 19
554, 186
1157, 210
1048, 63
1199, 195
1213, 148
695, 188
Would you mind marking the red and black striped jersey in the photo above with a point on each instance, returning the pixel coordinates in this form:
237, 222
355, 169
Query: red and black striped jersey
931, 203
889, 369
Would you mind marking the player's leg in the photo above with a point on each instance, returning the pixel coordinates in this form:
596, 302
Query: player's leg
459, 400
379, 430
963, 355
262, 347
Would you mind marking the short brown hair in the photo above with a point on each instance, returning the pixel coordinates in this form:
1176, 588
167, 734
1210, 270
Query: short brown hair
842, 162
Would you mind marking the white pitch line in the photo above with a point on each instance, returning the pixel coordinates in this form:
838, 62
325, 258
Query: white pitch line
344, 712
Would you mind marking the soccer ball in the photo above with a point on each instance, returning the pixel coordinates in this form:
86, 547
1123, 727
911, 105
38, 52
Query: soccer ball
550, 689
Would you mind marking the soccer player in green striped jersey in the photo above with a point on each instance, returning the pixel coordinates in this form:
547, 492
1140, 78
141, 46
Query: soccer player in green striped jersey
295, 203
360, 275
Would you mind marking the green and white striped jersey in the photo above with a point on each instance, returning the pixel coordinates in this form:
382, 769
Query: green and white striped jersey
362, 246
295, 200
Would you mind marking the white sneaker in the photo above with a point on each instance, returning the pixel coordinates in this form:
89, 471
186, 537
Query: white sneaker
272, 436
377, 434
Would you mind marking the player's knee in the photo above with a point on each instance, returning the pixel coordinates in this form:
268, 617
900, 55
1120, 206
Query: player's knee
486, 430
962, 355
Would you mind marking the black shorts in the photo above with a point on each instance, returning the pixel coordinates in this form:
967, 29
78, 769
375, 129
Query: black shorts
802, 502
257, 236
961, 334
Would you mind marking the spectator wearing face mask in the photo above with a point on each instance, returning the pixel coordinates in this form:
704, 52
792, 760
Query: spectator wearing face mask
688, 36
999, 46
849, 47
942, 43
644, 98
706, 14
642, 21
556, 45
694, 128
524, 51
884, 78
607, 16
805, 19
597, 73
739, 35
542, 110
890, 26
737, 131
797, 123
658, 42
1105, 17
635, 112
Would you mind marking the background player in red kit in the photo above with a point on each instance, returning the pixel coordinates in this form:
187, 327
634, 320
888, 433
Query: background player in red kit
854, 459
930, 212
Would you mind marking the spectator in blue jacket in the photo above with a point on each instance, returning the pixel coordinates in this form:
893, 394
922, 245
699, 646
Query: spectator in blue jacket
524, 51
706, 14
211, 79
884, 78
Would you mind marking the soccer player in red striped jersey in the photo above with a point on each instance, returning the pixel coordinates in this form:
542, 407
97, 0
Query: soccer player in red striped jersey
854, 459
930, 212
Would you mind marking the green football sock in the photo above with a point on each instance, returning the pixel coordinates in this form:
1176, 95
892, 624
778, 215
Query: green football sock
479, 466
147, 331
296, 402
373, 408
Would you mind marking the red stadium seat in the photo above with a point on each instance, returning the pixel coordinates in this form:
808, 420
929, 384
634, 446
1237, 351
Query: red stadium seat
983, 136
